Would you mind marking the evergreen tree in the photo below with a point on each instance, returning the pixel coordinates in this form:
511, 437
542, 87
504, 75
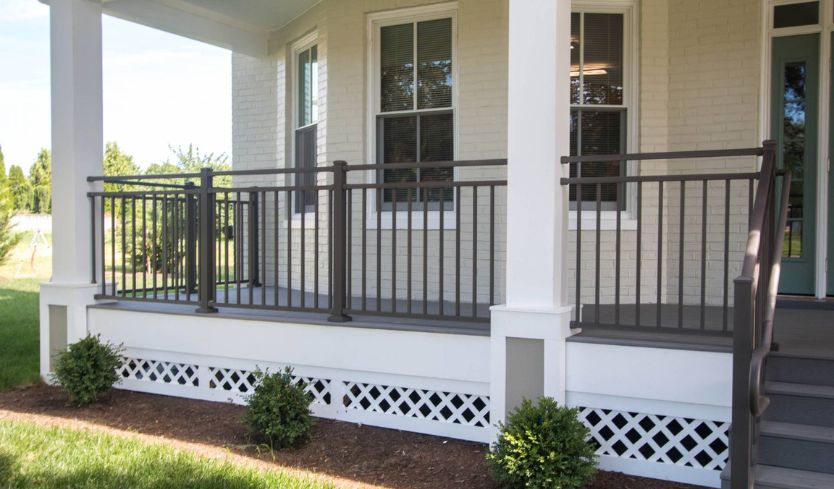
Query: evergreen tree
19, 189
8, 238
40, 177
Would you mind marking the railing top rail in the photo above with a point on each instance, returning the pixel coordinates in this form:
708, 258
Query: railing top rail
428, 164
659, 178
670, 155
129, 179
426, 184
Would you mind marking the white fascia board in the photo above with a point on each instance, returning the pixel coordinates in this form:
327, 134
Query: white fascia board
191, 24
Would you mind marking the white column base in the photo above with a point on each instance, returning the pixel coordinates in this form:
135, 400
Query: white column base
63, 318
540, 361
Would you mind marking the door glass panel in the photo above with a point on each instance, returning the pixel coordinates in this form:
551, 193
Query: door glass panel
796, 14
793, 134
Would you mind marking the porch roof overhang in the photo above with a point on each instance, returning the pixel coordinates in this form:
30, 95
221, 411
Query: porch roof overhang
243, 26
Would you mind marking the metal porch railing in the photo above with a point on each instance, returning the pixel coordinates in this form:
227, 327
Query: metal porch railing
328, 243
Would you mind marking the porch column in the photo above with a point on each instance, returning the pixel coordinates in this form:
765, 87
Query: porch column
529, 331
76, 86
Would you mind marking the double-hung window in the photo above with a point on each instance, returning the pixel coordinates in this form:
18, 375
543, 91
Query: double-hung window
599, 111
414, 106
305, 123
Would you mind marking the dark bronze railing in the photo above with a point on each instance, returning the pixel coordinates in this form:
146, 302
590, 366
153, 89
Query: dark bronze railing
669, 269
756, 289
424, 249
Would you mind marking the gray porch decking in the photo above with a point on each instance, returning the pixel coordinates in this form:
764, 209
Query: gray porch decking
803, 326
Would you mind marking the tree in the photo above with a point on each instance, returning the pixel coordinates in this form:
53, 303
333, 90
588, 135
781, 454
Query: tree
20, 189
190, 160
40, 177
8, 238
117, 163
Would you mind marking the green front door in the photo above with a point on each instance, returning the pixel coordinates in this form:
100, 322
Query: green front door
794, 111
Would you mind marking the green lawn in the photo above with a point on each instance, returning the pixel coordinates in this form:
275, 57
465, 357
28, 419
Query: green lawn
53, 457
18, 332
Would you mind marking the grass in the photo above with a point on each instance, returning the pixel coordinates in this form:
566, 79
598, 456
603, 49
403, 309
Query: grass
54, 457
18, 332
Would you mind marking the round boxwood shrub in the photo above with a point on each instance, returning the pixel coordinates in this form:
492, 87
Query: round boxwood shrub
542, 446
87, 369
278, 411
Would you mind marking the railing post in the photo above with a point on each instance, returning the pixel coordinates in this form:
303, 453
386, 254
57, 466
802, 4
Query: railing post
337, 301
191, 217
741, 442
206, 246
253, 251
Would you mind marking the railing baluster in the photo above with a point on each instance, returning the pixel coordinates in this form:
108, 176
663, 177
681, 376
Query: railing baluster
458, 206
394, 250
349, 280
226, 245
441, 276
597, 251
154, 244
408, 252
425, 203
103, 251
276, 280
579, 202
379, 204
617, 245
123, 246
726, 282
491, 245
659, 290
289, 204
316, 251
474, 251
639, 254
681, 226
239, 238
92, 239
704, 254
262, 234
364, 228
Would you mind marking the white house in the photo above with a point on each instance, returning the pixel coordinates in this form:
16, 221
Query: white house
438, 209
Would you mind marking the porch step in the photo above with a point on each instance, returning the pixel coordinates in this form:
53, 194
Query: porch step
800, 403
771, 477
800, 369
797, 446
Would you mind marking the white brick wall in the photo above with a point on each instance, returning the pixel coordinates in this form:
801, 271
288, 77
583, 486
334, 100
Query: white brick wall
699, 89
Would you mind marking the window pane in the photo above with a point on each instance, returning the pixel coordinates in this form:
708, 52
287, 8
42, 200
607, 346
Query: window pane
397, 67
603, 61
793, 155
305, 157
434, 64
597, 133
308, 87
574, 58
437, 144
796, 14
399, 145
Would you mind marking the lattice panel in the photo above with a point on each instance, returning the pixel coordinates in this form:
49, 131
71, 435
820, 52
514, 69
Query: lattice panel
243, 382
664, 439
159, 371
449, 407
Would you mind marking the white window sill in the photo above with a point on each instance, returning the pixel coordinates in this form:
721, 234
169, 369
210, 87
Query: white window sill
608, 221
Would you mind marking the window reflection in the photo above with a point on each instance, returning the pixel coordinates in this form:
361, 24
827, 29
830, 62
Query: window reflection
793, 153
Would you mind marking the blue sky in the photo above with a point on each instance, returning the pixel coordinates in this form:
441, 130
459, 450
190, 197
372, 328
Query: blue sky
160, 90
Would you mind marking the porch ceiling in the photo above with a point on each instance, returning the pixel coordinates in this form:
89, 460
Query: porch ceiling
242, 26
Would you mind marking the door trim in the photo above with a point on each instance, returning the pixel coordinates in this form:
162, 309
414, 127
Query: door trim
826, 30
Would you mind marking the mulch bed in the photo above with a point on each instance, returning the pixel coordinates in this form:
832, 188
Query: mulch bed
364, 454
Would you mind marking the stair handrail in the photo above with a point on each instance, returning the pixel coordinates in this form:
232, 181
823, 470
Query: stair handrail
758, 402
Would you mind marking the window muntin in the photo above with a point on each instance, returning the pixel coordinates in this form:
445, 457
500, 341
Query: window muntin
598, 103
415, 122
306, 128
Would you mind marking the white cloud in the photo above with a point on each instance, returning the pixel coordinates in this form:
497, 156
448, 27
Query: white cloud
19, 10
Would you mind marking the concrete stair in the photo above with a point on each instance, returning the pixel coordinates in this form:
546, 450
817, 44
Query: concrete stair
796, 441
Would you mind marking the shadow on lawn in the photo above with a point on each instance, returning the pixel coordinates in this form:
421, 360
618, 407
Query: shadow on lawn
18, 332
6, 465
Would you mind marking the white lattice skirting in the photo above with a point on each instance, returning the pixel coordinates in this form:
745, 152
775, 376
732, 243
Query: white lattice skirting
684, 442
439, 412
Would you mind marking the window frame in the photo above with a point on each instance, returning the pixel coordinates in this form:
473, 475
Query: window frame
630, 10
375, 22
301, 45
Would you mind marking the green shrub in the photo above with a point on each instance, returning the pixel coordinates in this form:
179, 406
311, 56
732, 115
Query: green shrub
87, 369
542, 446
278, 411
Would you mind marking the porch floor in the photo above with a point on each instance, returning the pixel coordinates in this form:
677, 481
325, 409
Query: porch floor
803, 327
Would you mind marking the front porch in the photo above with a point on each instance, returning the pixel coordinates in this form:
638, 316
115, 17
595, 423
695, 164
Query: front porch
426, 261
